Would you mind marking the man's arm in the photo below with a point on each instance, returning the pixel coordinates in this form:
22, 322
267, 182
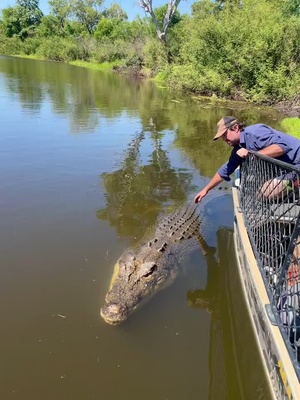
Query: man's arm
273, 151
215, 180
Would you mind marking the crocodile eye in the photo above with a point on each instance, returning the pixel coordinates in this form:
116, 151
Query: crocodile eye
145, 270
151, 270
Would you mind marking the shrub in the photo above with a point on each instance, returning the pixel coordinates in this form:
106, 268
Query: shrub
58, 49
109, 51
254, 46
30, 45
155, 55
10, 46
205, 81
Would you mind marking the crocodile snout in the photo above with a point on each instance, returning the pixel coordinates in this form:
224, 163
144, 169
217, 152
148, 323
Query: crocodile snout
114, 313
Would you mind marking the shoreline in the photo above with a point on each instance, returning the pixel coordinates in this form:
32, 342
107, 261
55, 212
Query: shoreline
289, 108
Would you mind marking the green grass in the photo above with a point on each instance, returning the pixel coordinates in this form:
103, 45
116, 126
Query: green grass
291, 126
31, 57
106, 66
160, 77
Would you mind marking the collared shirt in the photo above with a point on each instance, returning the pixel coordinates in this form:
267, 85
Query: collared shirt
257, 137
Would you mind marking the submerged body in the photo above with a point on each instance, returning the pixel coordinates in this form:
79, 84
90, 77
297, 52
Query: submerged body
152, 265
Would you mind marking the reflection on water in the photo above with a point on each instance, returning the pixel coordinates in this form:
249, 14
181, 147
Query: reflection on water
136, 194
235, 370
72, 203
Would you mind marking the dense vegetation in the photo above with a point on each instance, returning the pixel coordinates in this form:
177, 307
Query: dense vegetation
246, 49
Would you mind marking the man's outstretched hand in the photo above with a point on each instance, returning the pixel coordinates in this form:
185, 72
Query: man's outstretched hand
199, 196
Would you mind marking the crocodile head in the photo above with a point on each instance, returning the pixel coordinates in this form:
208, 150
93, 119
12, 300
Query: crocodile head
114, 313
134, 280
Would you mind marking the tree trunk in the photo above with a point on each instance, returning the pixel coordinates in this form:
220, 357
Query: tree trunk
172, 7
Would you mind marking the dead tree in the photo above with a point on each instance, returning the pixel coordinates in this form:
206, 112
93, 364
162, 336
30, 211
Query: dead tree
171, 9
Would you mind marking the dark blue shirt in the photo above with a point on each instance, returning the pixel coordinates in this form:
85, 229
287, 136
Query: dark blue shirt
257, 137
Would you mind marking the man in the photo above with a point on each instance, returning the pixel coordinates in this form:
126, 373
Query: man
269, 142
261, 138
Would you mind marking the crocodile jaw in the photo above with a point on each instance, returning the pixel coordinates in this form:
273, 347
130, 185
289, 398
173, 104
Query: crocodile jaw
114, 313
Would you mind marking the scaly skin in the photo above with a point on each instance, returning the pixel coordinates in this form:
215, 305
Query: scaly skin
141, 272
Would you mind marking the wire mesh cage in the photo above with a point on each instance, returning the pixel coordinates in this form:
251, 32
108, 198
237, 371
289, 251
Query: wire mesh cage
270, 201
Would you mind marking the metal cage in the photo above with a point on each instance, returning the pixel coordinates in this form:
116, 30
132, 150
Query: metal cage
270, 202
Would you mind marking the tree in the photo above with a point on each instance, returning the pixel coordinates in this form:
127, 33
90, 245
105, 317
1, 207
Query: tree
104, 28
48, 27
115, 12
161, 30
87, 12
61, 9
23, 19
160, 13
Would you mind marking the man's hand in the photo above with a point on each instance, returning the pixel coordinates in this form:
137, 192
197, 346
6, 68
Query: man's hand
199, 196
242, 153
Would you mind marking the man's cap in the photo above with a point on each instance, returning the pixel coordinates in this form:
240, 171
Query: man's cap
223, 125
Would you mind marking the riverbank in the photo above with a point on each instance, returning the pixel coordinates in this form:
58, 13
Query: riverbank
289, 109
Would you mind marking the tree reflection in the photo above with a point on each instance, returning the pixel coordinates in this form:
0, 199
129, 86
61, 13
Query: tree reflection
87, 96
136, 193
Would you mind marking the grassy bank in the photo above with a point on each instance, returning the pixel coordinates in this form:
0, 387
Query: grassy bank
291, 126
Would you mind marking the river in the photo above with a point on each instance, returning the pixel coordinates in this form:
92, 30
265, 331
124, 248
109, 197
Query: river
89, 161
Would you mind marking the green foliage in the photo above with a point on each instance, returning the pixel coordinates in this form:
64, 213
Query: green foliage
22, 19
61, 9
248, 50
114, 29
160, 13
87, 13
122, 30
138, 28
29, 46
49, 26
10, 46
58, 49
10, 23
155, 55
254, 46
75, 29
115, 12
292, 7
104, 28
291, 126
109, 51
205, 81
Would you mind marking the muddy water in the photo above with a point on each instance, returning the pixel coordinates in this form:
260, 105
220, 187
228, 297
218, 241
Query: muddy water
89, 161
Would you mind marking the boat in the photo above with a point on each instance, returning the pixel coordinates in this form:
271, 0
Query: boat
266, 241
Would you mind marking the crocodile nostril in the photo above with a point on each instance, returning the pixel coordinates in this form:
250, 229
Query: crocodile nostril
114, 313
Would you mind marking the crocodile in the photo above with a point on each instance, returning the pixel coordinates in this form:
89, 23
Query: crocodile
152, 265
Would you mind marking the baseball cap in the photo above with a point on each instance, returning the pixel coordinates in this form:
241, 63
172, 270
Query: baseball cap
223, 125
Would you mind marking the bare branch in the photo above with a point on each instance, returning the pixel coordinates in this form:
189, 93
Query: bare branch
146, 5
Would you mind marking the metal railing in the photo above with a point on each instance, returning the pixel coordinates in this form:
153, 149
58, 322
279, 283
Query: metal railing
270, 202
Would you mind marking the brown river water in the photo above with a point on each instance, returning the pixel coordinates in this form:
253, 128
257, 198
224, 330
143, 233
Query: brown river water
89, 161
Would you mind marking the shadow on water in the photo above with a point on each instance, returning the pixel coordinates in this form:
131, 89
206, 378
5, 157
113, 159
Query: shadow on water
235, 370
